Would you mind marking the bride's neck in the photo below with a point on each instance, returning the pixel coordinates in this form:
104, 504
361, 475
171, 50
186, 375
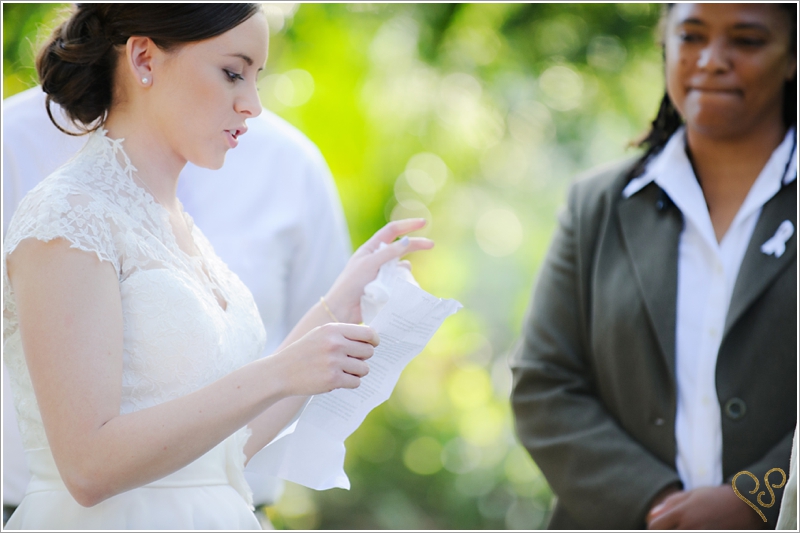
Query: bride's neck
157, 164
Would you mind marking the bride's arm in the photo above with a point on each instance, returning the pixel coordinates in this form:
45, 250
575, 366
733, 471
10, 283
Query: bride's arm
70, 317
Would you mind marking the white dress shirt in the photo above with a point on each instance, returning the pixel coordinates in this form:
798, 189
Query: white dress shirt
787, 517
272, 214
707, 272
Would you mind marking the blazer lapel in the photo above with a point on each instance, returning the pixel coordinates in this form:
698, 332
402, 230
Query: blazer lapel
759, 269
651, 238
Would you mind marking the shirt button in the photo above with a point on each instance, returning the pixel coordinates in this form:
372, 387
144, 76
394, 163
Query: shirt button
706, 400
701, 471
712, 332
719, 270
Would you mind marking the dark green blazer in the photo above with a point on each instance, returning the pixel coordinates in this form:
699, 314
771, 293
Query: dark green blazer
594, 391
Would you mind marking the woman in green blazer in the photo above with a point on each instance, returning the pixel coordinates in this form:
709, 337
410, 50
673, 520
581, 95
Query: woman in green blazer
659, 352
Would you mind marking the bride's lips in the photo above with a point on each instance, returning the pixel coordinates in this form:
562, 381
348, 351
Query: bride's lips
233, 135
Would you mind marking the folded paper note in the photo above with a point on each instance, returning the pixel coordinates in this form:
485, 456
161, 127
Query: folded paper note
377, 292
311, 450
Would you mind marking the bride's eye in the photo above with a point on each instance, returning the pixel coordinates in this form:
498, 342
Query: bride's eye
232, 76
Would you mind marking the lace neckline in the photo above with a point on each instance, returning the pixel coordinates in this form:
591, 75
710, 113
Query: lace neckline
112, 151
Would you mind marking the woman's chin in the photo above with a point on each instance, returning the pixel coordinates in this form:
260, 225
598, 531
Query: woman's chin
717, 125
209, 161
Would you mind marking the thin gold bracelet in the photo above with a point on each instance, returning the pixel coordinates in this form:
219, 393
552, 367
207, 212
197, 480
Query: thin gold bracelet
325, 305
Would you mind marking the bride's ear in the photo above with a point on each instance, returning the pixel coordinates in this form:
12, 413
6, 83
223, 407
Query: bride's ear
138, 60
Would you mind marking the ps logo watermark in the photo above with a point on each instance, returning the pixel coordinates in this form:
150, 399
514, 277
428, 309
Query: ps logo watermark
768, 485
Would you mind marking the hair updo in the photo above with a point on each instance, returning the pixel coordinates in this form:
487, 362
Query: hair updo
76, 65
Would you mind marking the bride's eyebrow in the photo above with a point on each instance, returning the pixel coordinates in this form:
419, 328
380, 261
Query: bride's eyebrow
246, 58
242, 56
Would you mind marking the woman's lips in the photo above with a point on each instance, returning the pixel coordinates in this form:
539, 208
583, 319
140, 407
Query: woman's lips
715, 90
233, 136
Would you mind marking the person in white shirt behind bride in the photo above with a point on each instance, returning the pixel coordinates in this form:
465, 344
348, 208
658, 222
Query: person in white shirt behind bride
281, 229
132, 349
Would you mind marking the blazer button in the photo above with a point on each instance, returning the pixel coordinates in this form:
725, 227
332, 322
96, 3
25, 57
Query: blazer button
735, 408
658, 422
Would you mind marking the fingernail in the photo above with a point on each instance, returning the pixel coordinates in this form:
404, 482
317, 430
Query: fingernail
656, 509
404, 241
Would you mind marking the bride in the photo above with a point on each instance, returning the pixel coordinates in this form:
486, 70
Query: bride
130, 345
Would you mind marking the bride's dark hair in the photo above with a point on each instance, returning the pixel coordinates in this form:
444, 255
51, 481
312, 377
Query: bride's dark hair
76, 65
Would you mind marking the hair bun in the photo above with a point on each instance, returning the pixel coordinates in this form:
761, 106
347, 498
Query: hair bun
75, 66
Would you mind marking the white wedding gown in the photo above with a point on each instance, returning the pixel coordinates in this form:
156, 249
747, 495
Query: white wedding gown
177, 338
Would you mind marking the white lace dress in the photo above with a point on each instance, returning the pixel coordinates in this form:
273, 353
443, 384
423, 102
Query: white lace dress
177, 339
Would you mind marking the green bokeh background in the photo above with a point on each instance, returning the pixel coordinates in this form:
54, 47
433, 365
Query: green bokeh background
476, 116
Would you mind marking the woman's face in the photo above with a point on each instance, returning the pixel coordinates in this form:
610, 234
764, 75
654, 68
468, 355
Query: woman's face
726, 65
202, 93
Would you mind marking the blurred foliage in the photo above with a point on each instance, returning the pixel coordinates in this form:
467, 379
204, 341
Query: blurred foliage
476, 116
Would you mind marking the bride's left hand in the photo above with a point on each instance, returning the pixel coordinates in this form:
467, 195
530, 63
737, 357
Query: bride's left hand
344, 297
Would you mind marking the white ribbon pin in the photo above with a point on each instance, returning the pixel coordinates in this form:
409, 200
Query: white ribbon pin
777, 243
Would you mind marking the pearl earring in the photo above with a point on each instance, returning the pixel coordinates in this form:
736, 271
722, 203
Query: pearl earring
145, 80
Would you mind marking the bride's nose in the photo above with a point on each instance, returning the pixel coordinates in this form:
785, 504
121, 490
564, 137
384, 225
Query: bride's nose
248, 102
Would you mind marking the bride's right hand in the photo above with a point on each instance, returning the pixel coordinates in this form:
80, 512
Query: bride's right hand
328, 357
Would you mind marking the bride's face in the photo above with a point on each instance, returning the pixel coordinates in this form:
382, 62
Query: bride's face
202, 93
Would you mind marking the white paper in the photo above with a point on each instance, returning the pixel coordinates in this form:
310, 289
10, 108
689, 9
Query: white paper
311, 451
377, 292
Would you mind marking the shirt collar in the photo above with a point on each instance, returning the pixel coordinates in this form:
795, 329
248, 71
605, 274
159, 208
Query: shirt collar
672, 171
674, 151
780, 170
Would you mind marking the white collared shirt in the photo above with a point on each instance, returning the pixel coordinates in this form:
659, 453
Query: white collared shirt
271, 212
707, 272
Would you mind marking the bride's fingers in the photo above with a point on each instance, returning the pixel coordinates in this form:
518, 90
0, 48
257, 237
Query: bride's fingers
405, 264
355, 367
391, 231
401, 248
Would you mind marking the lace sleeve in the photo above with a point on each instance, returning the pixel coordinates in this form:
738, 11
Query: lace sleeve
59, 209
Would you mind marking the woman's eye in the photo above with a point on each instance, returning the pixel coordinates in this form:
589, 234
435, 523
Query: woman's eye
690, 37
749, 41
232, 76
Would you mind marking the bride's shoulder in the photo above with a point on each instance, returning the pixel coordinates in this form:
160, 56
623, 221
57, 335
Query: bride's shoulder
92, 176
67, 188
71, 204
